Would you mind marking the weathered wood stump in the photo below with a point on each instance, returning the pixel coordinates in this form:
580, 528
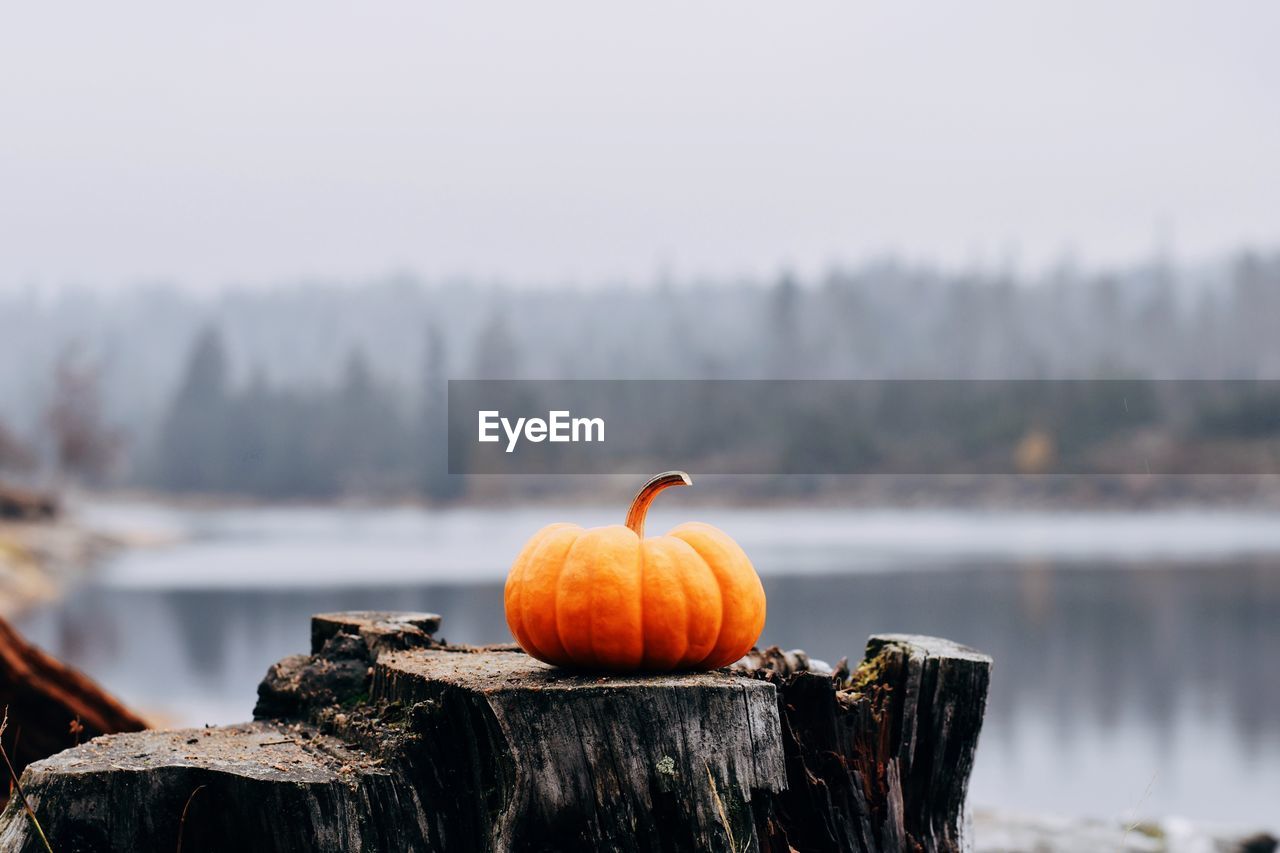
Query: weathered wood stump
385, 739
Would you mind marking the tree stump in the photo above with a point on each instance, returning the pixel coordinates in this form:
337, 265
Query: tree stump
385, 739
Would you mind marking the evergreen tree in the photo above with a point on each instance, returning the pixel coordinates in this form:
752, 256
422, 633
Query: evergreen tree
16, 456
84, 447
367, 451
784, 330
193, 446
433, 422
496, 355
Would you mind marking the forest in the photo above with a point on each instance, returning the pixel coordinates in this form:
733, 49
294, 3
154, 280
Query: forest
321, 390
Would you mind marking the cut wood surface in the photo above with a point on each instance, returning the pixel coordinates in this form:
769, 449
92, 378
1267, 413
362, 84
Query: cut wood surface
385, 739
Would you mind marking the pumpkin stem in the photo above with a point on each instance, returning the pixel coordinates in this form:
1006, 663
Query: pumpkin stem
649, 491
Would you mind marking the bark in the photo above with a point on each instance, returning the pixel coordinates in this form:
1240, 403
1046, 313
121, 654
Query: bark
385, 739
877, 759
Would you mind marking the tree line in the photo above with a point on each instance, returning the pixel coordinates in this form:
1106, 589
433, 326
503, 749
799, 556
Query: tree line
324, 390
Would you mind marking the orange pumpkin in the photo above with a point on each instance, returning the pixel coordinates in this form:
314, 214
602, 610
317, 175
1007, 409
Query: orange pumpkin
608, 598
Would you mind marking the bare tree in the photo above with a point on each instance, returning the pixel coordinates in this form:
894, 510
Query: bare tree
84, 446
16, 455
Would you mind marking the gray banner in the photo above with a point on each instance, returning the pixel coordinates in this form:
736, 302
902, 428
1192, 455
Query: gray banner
902, 427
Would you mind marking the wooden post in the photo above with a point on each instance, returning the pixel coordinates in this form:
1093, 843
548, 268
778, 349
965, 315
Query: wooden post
384, 739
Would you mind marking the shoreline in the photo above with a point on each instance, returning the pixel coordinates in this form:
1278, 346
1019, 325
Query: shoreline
40, 559
874, 491
999, 831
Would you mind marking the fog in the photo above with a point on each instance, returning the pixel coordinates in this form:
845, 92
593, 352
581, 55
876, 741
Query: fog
575, 143
326, 390
243, 249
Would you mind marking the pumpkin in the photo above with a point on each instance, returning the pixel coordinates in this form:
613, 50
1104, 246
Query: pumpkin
608, 598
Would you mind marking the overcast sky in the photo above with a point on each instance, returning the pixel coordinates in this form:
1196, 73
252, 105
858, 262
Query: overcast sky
250, 142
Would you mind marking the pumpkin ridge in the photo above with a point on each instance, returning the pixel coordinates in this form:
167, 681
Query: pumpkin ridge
513, 592
685, 662
660, 556
617, 548
738, 575
571, 657
724, 603
591, 618
640, 565
688, 619
538, 649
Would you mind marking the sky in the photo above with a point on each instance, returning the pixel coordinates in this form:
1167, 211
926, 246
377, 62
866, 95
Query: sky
247, 143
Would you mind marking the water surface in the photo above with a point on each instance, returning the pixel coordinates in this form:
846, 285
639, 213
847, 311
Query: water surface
1137, 656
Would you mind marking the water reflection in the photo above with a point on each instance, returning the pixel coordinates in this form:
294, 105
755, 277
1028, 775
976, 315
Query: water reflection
1144, 687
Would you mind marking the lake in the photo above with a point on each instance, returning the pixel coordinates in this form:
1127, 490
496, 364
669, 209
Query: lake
1137, 655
